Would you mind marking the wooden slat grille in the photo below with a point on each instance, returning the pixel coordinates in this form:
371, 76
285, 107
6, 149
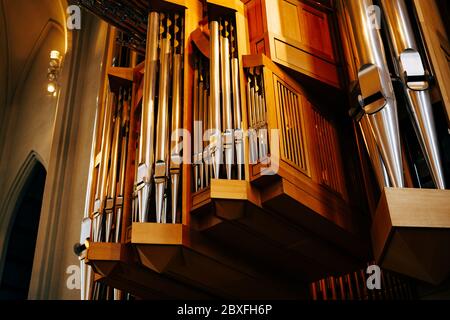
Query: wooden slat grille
291, 125
352, 286
330, 169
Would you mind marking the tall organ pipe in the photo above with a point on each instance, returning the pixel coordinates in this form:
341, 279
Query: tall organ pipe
377, 93
412, 73
216, 143
147, 139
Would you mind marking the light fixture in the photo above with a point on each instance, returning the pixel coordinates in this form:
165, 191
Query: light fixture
51, 87
55, 55
53, 72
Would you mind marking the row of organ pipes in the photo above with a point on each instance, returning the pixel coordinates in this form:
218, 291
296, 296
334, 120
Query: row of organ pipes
107, 187
257, 114
109, 193
379, 123
217, 110
160, 150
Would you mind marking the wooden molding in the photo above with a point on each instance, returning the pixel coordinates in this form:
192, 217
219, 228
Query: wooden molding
411, 233
157, 233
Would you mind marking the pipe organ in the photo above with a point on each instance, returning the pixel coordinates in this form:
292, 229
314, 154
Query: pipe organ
159, 168
217, 111
260, 149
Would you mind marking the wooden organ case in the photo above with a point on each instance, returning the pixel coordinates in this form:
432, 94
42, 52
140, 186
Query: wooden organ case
259, 196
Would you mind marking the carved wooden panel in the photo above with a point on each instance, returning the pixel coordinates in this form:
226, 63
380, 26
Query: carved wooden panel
255, 15
315, 30
295, 34
290, 19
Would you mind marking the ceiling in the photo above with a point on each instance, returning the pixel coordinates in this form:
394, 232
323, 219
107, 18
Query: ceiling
24, 22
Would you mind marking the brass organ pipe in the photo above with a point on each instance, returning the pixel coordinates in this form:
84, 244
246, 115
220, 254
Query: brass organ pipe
175, 161
369, 51
146, 141
419, 101
215, 140
162, 129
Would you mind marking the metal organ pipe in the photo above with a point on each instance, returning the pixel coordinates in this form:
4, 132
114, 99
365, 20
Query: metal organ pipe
160, 160
228, 142
415, 83
238, 134
162, 128
146, 142
215, 145
377, 93
175, 160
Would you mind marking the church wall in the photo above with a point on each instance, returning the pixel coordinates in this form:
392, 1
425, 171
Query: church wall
30, 120
64, 198
57, 129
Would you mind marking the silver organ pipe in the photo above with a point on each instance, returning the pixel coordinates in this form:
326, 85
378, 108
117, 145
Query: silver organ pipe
146, 141
377, 94
413, 75
177, 116
160, 152
215, 114
217, 108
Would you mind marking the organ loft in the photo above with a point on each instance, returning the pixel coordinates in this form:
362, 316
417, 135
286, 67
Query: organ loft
224, 149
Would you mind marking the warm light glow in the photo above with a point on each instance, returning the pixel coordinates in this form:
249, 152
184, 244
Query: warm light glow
55, 55
51, 76
53, 72
51, 87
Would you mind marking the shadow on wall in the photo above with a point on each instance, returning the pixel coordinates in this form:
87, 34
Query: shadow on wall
21, 237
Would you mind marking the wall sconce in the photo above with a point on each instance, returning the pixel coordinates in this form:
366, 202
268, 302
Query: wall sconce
53, 72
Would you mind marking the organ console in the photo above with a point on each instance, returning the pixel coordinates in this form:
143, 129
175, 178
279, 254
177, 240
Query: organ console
255, 149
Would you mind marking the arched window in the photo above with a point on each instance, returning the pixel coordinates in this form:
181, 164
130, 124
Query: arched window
21, 242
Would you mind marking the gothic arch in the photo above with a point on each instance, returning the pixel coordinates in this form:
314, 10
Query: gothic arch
13, 199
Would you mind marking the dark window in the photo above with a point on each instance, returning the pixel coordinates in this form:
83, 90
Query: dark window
15, 281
